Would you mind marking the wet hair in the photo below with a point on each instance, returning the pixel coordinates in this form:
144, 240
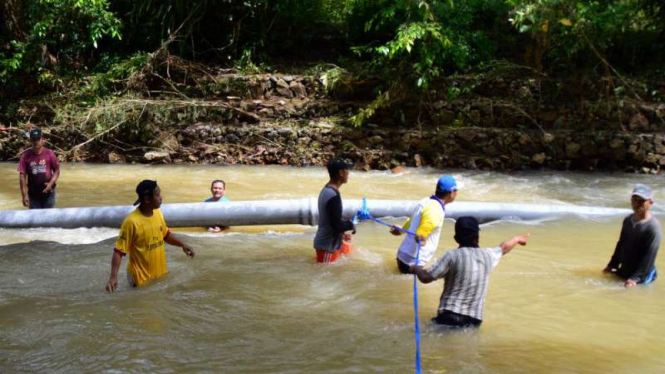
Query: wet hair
218, 181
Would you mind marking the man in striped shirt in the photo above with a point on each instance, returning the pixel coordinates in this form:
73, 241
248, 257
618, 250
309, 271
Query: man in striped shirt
466, 272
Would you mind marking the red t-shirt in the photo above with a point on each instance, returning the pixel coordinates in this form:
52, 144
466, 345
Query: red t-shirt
40, 169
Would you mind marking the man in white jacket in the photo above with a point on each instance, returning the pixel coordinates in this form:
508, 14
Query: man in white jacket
426, 221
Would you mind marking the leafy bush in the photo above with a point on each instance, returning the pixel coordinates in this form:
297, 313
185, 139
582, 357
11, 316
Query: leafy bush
62, 32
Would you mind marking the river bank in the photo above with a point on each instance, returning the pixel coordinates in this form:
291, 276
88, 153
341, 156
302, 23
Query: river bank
513, 119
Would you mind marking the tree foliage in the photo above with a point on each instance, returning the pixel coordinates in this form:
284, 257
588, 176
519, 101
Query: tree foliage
567, 32
415, 40
61, 33
427, 38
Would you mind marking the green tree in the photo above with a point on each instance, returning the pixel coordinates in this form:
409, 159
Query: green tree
61, 32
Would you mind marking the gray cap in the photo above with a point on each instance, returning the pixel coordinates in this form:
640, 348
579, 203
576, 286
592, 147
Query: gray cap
643, 192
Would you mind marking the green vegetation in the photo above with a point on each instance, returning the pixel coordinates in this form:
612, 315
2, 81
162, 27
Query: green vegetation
101, 47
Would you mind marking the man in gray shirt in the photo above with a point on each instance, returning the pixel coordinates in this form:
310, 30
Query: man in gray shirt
466, 272
331, 239
635, 253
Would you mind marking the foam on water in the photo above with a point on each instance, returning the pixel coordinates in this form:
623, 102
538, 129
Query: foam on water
64, 236
254, 301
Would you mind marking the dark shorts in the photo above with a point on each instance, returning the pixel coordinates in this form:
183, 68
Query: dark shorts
402, 267
47, 202
453, 319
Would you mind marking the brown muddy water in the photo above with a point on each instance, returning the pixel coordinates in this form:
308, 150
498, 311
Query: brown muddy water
254, 301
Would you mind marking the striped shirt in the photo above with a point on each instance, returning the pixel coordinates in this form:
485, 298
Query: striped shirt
466, 272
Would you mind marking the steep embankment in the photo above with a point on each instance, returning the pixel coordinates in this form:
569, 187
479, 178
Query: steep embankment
503, 119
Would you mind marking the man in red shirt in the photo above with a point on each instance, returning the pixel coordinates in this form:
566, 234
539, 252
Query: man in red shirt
39, 171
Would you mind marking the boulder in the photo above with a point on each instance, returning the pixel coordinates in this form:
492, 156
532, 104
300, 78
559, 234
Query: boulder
115, 158
155, 156
539, 158
418, 159
397, 170
282, 83
285, 92
298, 89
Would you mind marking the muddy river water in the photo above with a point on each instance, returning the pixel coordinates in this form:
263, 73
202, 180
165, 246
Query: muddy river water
254, 301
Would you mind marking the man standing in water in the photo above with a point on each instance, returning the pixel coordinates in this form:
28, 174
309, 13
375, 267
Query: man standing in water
466, 271
142, 236
39, 171
218, 190
427, 219
331, 241
635, 253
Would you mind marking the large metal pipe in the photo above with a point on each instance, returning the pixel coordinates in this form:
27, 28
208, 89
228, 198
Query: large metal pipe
276, 212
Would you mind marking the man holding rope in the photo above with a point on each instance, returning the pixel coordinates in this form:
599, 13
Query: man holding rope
333, 235
466, 271
427, 220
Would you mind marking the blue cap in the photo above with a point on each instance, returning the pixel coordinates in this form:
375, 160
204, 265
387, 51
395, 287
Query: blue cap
446, 184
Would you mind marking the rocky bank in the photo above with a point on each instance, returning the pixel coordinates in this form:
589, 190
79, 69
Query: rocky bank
229, 118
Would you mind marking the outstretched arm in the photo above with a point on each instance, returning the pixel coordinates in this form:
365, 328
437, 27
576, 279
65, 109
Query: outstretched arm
509, 244
171, 239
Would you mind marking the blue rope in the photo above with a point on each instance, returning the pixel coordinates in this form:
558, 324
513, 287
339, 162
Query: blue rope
364, 215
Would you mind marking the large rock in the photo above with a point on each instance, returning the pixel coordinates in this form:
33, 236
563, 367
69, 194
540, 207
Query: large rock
418, 159
298, 89
155, 156
285, 92
539, 158
282, 83
115, 158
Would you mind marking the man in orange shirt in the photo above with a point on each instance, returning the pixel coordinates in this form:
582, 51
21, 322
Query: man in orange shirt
142, 236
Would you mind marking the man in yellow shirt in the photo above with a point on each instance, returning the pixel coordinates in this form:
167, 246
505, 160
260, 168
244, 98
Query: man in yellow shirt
142, 236
426, 221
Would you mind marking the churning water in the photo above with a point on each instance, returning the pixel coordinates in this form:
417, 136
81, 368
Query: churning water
254, 301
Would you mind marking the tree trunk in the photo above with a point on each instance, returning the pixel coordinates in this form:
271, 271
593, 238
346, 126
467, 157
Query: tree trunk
12, 21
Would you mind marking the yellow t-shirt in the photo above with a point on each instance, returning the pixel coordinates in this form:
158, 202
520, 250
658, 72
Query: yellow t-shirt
142, 238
